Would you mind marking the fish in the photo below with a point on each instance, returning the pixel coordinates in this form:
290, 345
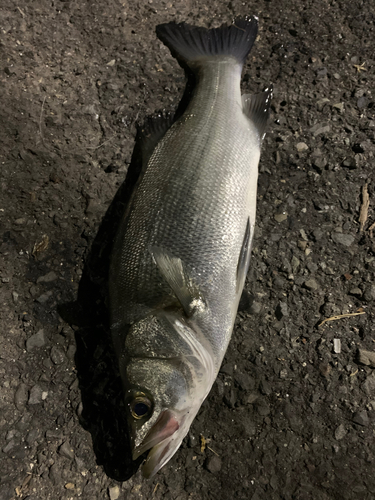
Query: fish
182, 250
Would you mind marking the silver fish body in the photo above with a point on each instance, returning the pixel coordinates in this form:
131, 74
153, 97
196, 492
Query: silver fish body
182, 251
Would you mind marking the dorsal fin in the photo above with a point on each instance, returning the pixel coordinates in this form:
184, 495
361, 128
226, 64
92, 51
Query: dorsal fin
152, 131
257, 109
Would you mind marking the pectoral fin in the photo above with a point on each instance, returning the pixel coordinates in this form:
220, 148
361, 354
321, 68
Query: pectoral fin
244, 258
174, 273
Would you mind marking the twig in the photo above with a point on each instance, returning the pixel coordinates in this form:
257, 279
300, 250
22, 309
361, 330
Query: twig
213, 451
94, 148
40, 119
340, 316
363, 215
21, 11
371, 229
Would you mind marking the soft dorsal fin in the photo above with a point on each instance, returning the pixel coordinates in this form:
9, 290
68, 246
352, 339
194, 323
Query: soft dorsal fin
151, 132
174, 273
257, 109
244, 258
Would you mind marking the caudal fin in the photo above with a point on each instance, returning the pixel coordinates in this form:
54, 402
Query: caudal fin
191, 44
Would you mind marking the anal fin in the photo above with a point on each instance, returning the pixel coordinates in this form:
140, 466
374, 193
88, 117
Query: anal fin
257, 109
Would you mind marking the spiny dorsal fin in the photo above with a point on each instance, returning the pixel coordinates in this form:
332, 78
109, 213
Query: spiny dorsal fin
178, 279
257, 109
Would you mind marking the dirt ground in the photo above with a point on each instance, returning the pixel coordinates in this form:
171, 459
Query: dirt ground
292, 413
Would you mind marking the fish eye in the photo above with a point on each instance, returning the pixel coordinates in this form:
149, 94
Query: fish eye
140, 407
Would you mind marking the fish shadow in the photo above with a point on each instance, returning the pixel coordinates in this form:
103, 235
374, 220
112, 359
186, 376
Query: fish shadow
103, 411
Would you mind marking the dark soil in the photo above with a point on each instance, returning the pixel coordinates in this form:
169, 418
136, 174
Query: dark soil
288, 417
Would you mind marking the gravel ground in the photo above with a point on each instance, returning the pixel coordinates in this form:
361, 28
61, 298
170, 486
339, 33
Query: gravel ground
292, 413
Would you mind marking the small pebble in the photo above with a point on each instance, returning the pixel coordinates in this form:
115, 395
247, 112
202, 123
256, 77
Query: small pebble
57, 355
36, 340
281, 217
339, 106
51, 276
366, 357
343, 239
15, 297
36, 395
281, 310
311, 284
21, 396
361, 418
44, 297
337, 346
69, 486
283, 373
325, 369
295, 262
301, 146
114, 492
213, 464
66, 450
255, 308
340, 432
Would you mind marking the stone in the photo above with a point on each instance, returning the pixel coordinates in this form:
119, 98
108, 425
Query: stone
343, 239
366, 357
36, 395
47, 278
311, 284
295, 262
337, 346
340, 432
255, 308
57, 355
213, 464
283, 373
21, 396
361, 418
32, 436
281, 217
301, 146
44, 297
66, 450
281, 310
245, 381
262, 407
114, 492
36, 340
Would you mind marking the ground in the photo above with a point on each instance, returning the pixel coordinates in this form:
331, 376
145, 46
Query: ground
292, 413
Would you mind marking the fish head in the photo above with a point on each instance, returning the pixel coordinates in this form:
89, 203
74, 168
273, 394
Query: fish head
167, 380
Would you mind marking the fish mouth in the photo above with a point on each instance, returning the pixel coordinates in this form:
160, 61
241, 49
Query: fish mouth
162, 443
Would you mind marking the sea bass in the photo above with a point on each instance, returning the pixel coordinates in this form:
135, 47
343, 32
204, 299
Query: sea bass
182, 251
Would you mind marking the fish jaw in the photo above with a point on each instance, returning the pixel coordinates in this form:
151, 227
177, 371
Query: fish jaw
162, 441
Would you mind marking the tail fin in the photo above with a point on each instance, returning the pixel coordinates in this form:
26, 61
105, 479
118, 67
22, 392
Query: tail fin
191, 44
